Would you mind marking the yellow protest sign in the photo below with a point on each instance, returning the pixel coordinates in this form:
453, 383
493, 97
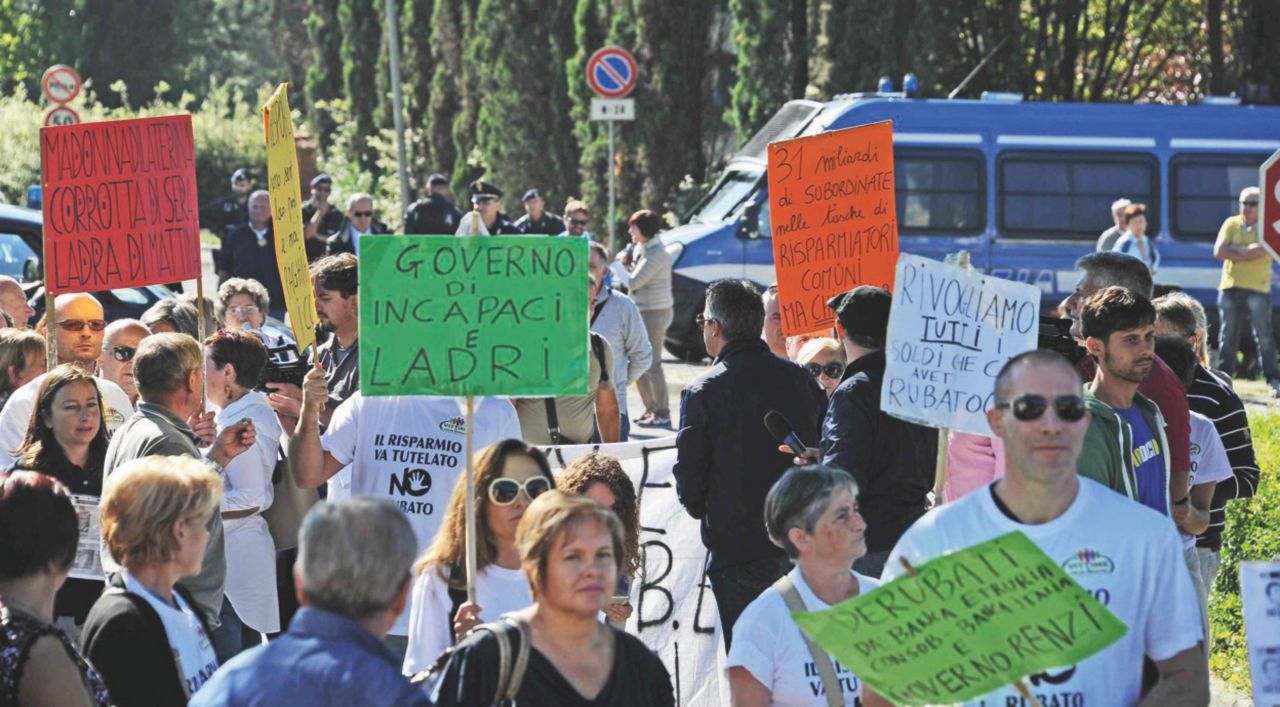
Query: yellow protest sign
286, 216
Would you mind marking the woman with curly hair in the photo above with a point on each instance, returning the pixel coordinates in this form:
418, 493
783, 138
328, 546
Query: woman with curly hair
509, 475
600, 478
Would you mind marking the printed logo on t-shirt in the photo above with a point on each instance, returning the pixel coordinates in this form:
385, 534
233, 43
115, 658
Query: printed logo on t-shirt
113, 417
1145, 453
456, 425
412, 482
1088, 561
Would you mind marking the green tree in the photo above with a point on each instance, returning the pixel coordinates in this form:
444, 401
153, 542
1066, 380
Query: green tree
468, 163
139, 42
419, 68
361, 27
324, 77
767, 61
448, 29
521, 128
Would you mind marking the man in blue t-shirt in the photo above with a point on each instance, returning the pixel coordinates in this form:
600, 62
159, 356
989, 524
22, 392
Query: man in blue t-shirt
1125, 446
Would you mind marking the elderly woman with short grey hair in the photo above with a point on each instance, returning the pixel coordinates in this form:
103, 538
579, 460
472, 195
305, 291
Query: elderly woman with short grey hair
812, 514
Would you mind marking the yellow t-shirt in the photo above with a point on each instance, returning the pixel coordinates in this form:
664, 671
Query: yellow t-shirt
1246, 274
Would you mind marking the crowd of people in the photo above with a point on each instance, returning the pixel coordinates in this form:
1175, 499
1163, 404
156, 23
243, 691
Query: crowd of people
148, 555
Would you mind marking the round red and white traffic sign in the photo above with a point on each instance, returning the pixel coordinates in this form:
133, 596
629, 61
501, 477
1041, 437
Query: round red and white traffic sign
1269, 205
611, 72
61, 115
60, 83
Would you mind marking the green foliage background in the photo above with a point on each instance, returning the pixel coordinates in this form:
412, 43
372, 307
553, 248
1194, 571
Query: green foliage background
1252, 533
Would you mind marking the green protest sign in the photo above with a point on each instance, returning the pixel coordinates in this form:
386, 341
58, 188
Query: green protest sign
970, 622
473, 316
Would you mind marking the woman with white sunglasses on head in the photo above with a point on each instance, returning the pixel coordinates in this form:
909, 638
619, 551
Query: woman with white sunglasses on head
509, 475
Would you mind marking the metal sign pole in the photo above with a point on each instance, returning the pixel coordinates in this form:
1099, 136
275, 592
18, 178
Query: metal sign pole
613, 243
397, 103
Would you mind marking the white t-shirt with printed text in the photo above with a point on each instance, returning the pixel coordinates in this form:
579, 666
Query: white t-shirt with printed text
411, 451
768, 643
498, 591
15, 418
1123, 553
1209, 460
190, 644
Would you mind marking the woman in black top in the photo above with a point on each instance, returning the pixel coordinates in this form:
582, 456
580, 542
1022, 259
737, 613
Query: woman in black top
570, 547
38, 538
67, 439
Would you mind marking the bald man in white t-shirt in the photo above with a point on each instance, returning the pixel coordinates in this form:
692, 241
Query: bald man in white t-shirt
1137, 568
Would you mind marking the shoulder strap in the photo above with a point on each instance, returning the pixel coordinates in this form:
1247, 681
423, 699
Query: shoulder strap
553, 421
826, 670
597, 347
599, 307
516, 675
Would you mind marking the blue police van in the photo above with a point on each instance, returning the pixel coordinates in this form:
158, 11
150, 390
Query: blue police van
1025, 187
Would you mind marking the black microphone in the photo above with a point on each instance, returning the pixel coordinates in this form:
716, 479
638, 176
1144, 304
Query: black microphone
780, 427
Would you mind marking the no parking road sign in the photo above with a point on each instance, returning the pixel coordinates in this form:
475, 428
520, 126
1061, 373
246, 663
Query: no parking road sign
60, 83
611, 72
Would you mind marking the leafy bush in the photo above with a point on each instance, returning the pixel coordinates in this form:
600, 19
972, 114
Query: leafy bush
1252, 533
228, 135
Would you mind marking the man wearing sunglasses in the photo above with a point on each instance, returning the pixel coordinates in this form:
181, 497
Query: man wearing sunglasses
1126, 448
118, 348
1127, 556
319, 217
1245, 289
360, 222
78, 330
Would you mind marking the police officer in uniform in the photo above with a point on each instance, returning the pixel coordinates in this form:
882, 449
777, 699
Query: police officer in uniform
435, 214
222, 215
486, 218
537, 220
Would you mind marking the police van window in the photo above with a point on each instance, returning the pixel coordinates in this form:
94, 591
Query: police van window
14, 253
939, 193
1069, 195
727, 196
1206, 189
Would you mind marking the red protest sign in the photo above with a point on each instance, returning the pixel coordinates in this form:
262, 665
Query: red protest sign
120, 205
835, 227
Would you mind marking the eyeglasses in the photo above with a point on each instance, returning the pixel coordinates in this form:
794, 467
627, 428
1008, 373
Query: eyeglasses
504, 491
242, 310
79, 324
702, 320
577, 222
123, 353
1070, 408
1249, 203
362, 214
830, 370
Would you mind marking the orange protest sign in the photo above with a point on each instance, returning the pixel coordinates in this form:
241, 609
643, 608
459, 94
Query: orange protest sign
835, 225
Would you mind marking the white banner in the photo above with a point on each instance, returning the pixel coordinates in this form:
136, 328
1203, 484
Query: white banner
1260, 591
950, 331
675, 611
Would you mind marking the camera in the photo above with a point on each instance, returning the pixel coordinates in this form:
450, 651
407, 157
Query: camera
1055, 335
284, 363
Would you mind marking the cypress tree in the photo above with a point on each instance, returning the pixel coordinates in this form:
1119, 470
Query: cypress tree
590, 28
766, 62
522, 130
138, 41
417, 73
324, 76
361, 27
445, 102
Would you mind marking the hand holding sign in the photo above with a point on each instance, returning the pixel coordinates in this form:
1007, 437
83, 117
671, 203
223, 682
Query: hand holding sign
950, 331
833, 215
286, 215
943, 637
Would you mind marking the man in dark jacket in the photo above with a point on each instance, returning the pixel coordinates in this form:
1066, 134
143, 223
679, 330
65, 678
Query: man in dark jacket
892, 460
726, 461
435, 215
